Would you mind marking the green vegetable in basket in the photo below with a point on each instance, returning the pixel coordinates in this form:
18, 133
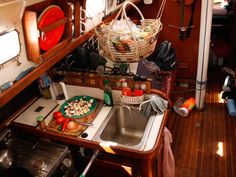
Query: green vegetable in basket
148, 29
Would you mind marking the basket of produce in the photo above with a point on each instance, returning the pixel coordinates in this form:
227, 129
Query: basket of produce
124, 40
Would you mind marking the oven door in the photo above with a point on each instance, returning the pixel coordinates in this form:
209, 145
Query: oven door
36, 157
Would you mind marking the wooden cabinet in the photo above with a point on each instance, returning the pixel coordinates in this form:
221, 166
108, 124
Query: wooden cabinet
115, 165
92, 79
33, 33
51, 57
45, 59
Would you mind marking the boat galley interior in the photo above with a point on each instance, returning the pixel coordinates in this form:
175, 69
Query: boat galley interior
122, 88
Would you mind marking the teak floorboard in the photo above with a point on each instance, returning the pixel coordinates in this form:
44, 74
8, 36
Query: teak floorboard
196, 138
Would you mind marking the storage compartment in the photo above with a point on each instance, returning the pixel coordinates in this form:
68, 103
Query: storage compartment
93, 79
35, 32
116, 165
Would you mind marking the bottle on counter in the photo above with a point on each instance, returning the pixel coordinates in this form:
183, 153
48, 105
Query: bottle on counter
126, 91
41, 122
44, 84
108, 101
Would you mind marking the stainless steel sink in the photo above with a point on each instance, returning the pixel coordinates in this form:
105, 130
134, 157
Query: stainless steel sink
126, 127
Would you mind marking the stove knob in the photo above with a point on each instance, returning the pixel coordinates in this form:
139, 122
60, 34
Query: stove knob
39, 164
67, 162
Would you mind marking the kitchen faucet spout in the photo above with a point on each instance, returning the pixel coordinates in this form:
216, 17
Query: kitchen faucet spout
126, 106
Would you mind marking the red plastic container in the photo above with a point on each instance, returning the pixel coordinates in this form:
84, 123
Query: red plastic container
187, 106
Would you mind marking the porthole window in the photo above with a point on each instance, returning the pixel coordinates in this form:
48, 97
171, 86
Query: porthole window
9, 46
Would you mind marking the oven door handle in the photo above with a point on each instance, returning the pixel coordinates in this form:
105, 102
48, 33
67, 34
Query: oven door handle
89, 163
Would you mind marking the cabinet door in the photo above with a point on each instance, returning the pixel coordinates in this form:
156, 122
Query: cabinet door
46, 31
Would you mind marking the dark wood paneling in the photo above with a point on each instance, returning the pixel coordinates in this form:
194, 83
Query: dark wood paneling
187, 50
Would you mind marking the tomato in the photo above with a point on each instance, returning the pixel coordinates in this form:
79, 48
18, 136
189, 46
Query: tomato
57, 115
138, 92
60, 120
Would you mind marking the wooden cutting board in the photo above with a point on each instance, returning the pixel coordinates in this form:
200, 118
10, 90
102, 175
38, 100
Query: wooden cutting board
53, 126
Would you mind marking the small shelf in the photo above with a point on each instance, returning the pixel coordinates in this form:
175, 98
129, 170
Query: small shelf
92, 79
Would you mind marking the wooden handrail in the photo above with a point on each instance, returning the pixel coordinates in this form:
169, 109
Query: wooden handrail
54, 25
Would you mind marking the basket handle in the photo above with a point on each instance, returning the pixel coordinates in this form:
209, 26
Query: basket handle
132, 4
123, 14
159, 14
126, 3
161, 9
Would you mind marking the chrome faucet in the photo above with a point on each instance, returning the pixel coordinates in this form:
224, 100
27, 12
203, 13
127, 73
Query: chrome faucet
124, 105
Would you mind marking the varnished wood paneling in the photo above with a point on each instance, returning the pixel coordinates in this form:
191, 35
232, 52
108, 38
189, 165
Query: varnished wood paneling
187, 50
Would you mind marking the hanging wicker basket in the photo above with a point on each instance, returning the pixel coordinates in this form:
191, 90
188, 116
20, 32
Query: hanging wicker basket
134, 48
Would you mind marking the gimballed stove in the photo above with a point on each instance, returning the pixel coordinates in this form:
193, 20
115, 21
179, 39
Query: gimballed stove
41, 157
